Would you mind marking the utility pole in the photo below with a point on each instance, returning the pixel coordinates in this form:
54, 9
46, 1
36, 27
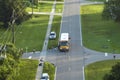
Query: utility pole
13, 32
12, 25
32, 7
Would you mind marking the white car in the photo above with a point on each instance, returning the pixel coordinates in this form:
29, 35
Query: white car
45, 76
52, 35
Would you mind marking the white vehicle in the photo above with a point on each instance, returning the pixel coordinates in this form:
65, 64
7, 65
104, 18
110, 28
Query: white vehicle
52, 35
64, 42
45, 76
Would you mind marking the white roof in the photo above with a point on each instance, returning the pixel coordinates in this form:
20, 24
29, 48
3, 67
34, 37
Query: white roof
45, 74
64, 37
52, 32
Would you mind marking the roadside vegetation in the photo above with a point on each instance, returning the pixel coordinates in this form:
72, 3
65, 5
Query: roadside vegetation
59, 7
99, 34
55, 27
41, 7
97, 0
27, 70
97, 70
45, 7
52, 0
50, 69
31, 34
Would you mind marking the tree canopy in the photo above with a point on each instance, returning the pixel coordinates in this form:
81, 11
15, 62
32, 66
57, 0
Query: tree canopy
112, 10
9, 64
12, 11
114, 73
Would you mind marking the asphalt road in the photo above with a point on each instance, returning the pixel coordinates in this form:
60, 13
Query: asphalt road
70, 64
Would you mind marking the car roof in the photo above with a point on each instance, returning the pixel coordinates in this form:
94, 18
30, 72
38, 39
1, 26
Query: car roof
45, 74
52, 32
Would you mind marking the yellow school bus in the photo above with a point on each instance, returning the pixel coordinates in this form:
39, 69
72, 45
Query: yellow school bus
64, 42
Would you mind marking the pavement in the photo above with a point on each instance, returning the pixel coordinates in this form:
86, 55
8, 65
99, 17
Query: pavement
37, 54
44, 49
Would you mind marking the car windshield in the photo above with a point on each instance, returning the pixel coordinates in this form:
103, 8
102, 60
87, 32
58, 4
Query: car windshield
44, 77
52, 34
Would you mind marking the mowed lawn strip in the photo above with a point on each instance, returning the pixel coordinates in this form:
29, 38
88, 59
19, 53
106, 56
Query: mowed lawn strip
50, 69
42, 7
97, 0
31, 34
59, 8
55, 27
27, 69
52, 0
97, 70
99, 34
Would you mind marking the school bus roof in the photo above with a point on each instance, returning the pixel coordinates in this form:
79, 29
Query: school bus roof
64, 37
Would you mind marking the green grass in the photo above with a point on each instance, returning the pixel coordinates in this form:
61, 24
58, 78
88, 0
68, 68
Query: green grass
97, 0
97, 70
99, 34
46, 7
55, 27
28, 70
42, 7
52, 0
32, 33
50, 69
59, 8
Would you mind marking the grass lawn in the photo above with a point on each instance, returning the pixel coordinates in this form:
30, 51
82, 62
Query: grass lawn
52, 0
50, 69
55, 27
96, 0
99, 34
42, 7
59, 8
97, 70
28, 69
31, 33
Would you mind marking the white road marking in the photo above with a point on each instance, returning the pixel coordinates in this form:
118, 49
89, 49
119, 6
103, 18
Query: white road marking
83, 73
55, 73
106, 54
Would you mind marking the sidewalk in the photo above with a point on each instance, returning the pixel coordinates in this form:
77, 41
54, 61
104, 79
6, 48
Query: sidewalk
45, 13
43, 53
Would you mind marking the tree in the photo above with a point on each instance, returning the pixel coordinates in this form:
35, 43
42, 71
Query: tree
112, 10
9, 65
114, 73
12, 11
35, 2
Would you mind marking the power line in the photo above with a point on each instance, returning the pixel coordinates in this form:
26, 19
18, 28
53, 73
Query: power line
4, 36
3, 44
13, 19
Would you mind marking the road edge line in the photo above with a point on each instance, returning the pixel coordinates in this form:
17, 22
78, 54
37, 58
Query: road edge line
83, 73
55, 72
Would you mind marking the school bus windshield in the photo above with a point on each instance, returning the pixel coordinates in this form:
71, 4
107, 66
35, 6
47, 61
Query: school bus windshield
63, 43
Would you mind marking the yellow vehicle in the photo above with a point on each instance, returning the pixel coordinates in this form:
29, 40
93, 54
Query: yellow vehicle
64, 42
